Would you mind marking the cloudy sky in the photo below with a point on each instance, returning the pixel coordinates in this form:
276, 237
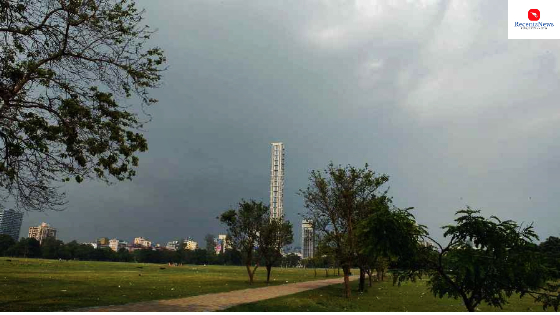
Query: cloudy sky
430, 92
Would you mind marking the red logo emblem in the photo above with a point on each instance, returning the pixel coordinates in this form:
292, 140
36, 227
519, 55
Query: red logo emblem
534, 15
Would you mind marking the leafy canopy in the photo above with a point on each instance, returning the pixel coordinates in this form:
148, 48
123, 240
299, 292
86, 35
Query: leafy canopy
488, 260
67, 69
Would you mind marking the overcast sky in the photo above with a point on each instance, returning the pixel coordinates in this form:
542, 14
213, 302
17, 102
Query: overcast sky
430, 92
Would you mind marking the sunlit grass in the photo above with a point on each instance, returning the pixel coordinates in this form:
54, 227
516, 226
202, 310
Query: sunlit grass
50, 285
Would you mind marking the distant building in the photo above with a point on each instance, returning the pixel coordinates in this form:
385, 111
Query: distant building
142, 242
10, 223
41, 232
190, 244
277, 180
221, 244
173, 245
308, 239
116, 244
104, 241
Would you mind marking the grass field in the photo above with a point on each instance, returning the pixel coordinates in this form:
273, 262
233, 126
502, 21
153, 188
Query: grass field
50, 285
380, 297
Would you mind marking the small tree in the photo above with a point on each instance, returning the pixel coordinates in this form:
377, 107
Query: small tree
274, 235
336, 200
210, 248
244, 225
210, 243
487, 260
387, 233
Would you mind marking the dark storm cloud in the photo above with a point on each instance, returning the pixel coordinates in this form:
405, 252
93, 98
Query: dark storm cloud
430, 92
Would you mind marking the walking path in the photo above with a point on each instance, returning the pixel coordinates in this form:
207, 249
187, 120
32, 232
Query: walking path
219, 301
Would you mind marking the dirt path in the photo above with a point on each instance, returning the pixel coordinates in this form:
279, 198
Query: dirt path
219, 301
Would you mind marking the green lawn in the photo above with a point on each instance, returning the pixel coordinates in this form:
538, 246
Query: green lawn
50, 285
380, 297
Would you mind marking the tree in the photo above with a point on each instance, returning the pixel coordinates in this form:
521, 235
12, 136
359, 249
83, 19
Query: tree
487, 260
291, 260
551, 251
123, 255
210, 243
68, 69
244, 225
51, 247
6, 242
26, 247
274, 234
210, 248
336, 200
387, 233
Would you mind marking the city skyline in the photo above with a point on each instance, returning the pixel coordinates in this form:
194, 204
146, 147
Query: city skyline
327, 82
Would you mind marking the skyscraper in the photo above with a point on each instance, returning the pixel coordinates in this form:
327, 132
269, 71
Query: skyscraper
10, 223
277, 181
308, 239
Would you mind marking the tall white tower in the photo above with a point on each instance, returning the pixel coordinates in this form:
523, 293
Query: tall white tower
307, 239
277, 181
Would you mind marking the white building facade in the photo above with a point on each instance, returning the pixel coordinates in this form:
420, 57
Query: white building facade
308, 239
277, 180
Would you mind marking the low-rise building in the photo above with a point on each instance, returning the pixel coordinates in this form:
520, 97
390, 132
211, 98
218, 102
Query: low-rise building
173, 245
221, 244
142, 242
116, 244
103, 241
41, 232
190, 244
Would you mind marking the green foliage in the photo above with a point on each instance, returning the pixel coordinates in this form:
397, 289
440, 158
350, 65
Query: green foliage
274, 234
6, 242
210, 243
244, 225
338, 199
68, 69
26, 247
487, 260
551, 251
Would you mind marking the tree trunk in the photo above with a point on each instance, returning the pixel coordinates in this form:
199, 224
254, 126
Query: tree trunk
268, 269
346, 271
469, 305
315, 271
369, 276
250, 274
326, 272
362, 286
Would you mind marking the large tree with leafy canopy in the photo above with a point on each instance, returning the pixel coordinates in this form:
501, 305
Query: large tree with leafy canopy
487, 260
70, 73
